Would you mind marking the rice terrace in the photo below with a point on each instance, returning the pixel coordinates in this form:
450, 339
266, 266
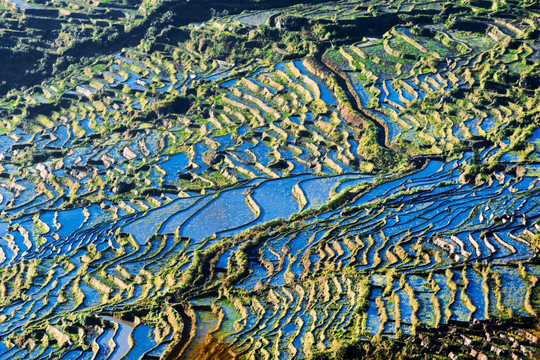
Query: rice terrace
269, 179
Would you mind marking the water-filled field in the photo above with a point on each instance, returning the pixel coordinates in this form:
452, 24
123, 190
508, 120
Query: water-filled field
297, 182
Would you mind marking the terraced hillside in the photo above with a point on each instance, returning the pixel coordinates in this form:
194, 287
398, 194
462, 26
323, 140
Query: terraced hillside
337, 180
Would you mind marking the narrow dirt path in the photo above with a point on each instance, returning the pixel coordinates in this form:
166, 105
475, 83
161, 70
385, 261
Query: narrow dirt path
343, 81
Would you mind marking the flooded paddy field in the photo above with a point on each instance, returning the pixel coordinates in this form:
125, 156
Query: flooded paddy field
288, 182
